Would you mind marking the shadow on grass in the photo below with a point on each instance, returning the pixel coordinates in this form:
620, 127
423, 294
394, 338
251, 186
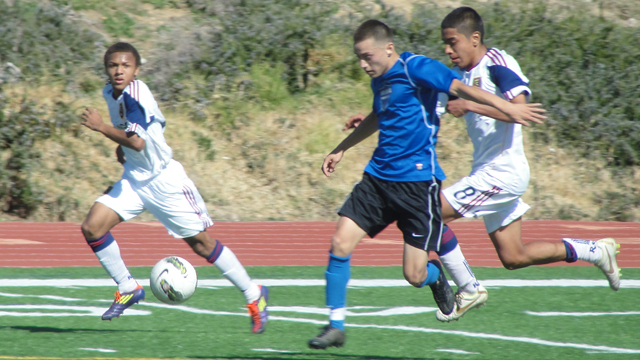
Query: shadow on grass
314, 356
44, 329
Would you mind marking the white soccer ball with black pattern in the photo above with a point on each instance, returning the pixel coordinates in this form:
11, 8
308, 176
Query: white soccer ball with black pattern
173, 280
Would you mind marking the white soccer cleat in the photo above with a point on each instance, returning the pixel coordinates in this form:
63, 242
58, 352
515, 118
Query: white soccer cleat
464, 303
609, 264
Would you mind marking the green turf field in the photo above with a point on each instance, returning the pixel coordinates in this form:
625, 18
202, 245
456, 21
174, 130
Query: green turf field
395, 322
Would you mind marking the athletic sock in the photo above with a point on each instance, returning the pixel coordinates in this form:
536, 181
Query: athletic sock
337, 275
579, 249
432, 275
455, 263
108, 252
227, 262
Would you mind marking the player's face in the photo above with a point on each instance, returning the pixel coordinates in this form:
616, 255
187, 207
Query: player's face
461, 49
375, 57
122, 69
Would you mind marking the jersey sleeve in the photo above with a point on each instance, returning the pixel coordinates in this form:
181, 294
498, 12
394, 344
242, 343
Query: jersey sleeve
139, 103
426, 72
506, 74
441, 105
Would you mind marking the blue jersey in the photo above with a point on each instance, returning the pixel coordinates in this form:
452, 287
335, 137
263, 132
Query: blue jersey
404, 102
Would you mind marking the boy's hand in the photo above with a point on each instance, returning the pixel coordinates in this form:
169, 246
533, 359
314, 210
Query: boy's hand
330, 162
457, 108
92, 119
522, 113
353, 122
120, 155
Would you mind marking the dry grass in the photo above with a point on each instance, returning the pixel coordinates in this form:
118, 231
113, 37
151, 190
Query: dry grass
269, 168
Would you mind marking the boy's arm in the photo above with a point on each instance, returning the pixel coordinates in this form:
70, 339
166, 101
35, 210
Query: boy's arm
367, 127
460, 107
518, 113
93, 121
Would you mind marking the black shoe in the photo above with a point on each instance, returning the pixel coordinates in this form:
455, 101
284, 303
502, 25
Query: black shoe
330, 336
442, 292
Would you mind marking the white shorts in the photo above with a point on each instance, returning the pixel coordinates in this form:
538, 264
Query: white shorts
477, 195
171, 197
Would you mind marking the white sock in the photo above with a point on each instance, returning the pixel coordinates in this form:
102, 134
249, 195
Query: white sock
586, 250
339, 314
231, 268
114, 265
459, 270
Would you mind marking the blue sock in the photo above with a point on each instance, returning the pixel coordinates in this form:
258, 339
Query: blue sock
448, 243
215, 254
101, 242
337, 275
572, 256
432, 275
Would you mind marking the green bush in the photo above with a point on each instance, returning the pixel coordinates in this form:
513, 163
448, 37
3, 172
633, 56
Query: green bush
583, 69
44, 40
44, 44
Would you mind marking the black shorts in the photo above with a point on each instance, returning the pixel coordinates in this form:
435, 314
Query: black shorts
375, 203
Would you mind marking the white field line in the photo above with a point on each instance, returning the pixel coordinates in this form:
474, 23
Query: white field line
99, 350
580, 314
321, 282
456, 351
521, 339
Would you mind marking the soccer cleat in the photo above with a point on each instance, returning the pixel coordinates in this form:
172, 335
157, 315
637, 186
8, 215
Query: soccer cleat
608, 264
442, 292
464, 303
122, 302
330, 336
258, 311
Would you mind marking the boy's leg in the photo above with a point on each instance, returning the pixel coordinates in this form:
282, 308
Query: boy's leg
515, 255
470, 293
451, 255
418, 271
226, 261
96, 230
343, 241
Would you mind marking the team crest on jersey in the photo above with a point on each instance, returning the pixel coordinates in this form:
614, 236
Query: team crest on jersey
477, 82
121, 110
385, 94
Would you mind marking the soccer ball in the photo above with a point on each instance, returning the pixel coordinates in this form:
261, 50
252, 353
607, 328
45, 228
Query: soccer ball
173, 280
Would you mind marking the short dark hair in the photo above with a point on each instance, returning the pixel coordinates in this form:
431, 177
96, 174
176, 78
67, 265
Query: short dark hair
375, 29
465, 20
121, 47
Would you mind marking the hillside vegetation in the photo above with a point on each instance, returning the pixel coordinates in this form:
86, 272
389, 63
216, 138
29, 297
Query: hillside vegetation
256, 91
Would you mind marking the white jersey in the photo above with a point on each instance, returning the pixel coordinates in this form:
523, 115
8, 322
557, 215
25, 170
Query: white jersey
500, 172
498, 145
135, 110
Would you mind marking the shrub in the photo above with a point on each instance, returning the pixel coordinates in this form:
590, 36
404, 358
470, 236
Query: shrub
38, 43
44, 39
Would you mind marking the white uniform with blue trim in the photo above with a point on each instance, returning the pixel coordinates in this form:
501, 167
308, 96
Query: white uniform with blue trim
151, 180
500, 171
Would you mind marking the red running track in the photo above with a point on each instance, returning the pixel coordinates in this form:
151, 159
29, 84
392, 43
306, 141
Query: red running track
25, 244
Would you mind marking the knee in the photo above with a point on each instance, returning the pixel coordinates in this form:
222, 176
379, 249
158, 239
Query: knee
203, 245
415, 277
513, 262
340, 246
89, 229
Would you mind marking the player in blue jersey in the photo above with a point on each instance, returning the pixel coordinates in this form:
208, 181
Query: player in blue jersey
500, 171
402, 181
151, 181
